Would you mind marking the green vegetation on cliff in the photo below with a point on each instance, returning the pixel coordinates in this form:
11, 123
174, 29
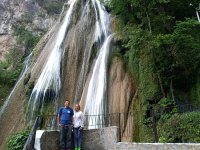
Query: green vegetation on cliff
17, 141
181, 128
161, 48
9, 72
11, 67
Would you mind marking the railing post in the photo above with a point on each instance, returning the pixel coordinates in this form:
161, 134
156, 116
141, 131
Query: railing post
154, 126
29, 145
119, 126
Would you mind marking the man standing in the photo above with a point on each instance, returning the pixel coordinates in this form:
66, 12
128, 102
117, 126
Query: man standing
65, 117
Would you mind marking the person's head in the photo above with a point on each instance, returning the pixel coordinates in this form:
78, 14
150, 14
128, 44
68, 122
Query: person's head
77, 107
66, 104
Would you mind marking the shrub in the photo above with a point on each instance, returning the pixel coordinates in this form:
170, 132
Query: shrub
181, 128
17, 141
25, 37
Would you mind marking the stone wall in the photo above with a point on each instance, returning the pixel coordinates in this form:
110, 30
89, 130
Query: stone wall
50, 140
107, 139
100, 139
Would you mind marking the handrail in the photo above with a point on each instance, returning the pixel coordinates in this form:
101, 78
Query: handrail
29, 145
124, 121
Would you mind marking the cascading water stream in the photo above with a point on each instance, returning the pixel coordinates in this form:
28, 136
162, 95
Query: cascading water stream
49, 79
96, 96
95, 100
25, 68
102, 24
197, 13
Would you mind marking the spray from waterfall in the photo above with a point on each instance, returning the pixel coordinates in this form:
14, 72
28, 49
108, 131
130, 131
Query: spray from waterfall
49, 83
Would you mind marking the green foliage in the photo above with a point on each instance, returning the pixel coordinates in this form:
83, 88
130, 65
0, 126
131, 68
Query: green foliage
187, 43
25, 37
166, 102
161, 50
195, 93
27, 17
17, 141
9, 72
152, 29
168, 108
138, 45
5, 89
139, 63
41, 14
181, 128
174, 52
15, 58
10, 69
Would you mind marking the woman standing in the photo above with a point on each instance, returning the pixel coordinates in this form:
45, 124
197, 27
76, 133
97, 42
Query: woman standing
78, 126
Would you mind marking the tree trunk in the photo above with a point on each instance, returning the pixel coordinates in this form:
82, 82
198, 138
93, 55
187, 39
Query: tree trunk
172, 90
149, 21
161, 86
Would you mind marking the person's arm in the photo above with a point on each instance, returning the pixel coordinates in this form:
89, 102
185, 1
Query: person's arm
58, 119
72, 117
59, 115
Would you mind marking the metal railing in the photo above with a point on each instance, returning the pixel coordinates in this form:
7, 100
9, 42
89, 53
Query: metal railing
126, 122
156, 115
29, 145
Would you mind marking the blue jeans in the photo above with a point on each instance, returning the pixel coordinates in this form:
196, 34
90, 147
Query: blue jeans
77, 137
65, 137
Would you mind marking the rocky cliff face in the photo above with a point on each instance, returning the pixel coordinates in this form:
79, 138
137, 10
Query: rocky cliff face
29, 13
122, 95
121, 88
36, 17
78, 41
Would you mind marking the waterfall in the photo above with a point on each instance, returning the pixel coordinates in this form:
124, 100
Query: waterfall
24, 70
47, 87
50, 80
102, 29
197, 13
96, 96
75, 48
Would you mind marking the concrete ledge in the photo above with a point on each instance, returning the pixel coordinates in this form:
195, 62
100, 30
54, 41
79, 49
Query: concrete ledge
48, 140
100, 139
157, 146
107, 139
